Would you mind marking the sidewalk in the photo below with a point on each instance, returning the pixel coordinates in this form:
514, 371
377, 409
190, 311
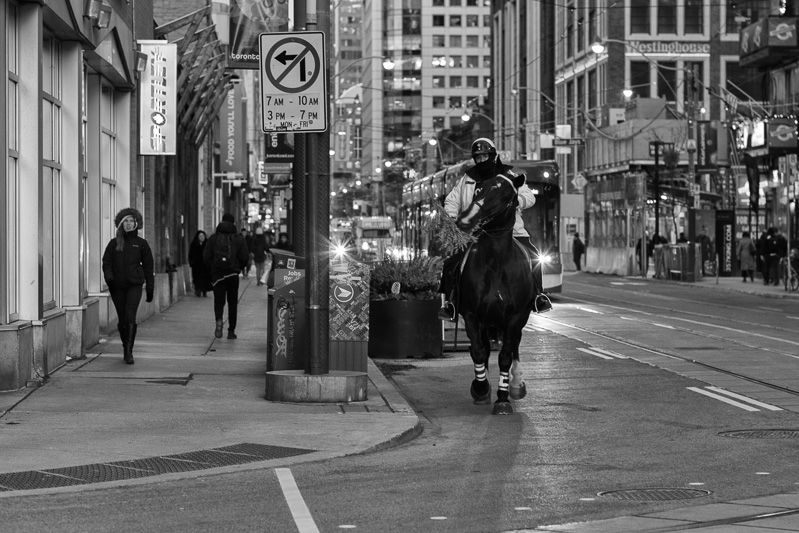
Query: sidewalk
730, 284
190, 402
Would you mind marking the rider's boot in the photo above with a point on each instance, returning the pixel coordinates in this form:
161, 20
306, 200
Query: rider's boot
447, 311
542, 303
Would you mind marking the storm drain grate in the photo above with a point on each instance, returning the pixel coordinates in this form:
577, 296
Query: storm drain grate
655, 495
236, 454
762, 434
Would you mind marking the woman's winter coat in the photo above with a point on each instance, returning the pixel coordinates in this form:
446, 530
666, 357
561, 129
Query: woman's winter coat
259, 248
133, 265
200, 273
746, 253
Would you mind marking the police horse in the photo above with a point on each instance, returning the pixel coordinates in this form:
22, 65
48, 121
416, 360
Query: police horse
497, 289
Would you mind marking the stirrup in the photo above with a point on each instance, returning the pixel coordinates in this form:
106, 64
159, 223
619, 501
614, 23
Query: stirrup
542, 303
447, 312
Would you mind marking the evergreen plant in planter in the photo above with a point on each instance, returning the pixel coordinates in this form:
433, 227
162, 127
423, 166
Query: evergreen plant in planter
403, 309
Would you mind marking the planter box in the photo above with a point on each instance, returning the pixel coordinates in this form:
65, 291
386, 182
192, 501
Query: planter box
399, 329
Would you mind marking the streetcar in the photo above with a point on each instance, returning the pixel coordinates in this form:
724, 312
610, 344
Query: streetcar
422, 198
367, 238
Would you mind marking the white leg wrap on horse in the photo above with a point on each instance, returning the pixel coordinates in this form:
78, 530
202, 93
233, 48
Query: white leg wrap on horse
480, 372
503, 381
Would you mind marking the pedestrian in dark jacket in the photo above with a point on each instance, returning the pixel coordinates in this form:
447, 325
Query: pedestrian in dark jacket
259, 252
578, 249
127, 267
200, 273
226, 254
245, 272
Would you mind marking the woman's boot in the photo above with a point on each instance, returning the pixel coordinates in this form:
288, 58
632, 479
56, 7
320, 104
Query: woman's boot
131, 340
123, 336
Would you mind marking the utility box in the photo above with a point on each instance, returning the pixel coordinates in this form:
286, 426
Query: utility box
349, 316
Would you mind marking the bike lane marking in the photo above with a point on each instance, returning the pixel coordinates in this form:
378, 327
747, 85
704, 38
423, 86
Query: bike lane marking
299, 510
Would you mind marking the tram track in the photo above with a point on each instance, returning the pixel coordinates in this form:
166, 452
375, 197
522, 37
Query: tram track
670, 355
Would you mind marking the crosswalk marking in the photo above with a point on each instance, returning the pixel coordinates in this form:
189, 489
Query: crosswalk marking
604, 354
727, 397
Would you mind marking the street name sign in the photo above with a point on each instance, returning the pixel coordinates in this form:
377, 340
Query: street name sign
294, 82
572, 141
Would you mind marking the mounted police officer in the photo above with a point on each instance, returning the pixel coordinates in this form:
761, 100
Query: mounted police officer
486, 165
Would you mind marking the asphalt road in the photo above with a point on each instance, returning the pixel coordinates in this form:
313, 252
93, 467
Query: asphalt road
618, 377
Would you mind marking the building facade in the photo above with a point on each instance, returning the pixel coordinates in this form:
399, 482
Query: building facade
71, 139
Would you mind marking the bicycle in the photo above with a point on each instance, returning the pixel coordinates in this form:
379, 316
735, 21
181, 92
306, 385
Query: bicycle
788, 274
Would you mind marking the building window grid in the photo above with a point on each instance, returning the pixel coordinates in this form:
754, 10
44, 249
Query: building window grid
667, 17
108, 175
11, 240
51, 172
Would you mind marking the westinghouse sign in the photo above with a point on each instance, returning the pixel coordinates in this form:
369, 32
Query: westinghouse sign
158, 99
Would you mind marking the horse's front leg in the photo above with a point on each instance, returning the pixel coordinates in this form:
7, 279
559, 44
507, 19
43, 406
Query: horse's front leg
509, 358
480, 350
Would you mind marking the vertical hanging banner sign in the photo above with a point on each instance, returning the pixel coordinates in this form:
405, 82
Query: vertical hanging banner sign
158, 99
249, 19
231, 132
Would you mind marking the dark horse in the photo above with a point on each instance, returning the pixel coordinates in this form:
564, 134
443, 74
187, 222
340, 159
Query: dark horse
497, 290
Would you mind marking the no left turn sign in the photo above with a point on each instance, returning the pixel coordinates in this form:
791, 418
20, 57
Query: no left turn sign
293, 82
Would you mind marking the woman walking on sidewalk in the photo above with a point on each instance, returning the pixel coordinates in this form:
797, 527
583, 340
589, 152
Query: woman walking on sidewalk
746, 252
127, 266
199, 270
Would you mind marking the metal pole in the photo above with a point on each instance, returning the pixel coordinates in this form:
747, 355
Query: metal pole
657, 189
317, 281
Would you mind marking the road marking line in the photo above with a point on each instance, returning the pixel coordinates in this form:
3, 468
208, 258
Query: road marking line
723, 399
746, 399
300, 512
607, 352
533, 329
595, 354
590, 310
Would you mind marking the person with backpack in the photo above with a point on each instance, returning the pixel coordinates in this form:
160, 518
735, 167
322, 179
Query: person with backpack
226, 254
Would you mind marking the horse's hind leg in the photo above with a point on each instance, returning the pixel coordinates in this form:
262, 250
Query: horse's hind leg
479, 350
508, 357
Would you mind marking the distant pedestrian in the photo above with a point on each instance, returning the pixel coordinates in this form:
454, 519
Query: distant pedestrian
226, 255
639, 254
578, 249
682, 238
747, 252
706, 246
260, 252
283, 242
127, 266
200, 274
245, 272
773, 245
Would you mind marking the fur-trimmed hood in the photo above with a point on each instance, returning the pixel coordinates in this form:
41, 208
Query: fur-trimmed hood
129, 211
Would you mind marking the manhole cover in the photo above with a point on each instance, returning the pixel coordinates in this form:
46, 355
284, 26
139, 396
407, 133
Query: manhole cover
655, 495
762, 434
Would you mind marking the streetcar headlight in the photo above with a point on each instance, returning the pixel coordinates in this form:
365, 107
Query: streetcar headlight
544, 259
339, 250
365, 246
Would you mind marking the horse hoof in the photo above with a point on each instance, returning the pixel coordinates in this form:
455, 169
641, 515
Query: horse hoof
479, 397
517, 393
503, 408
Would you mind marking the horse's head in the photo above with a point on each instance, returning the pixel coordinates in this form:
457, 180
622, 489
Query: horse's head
494, 203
